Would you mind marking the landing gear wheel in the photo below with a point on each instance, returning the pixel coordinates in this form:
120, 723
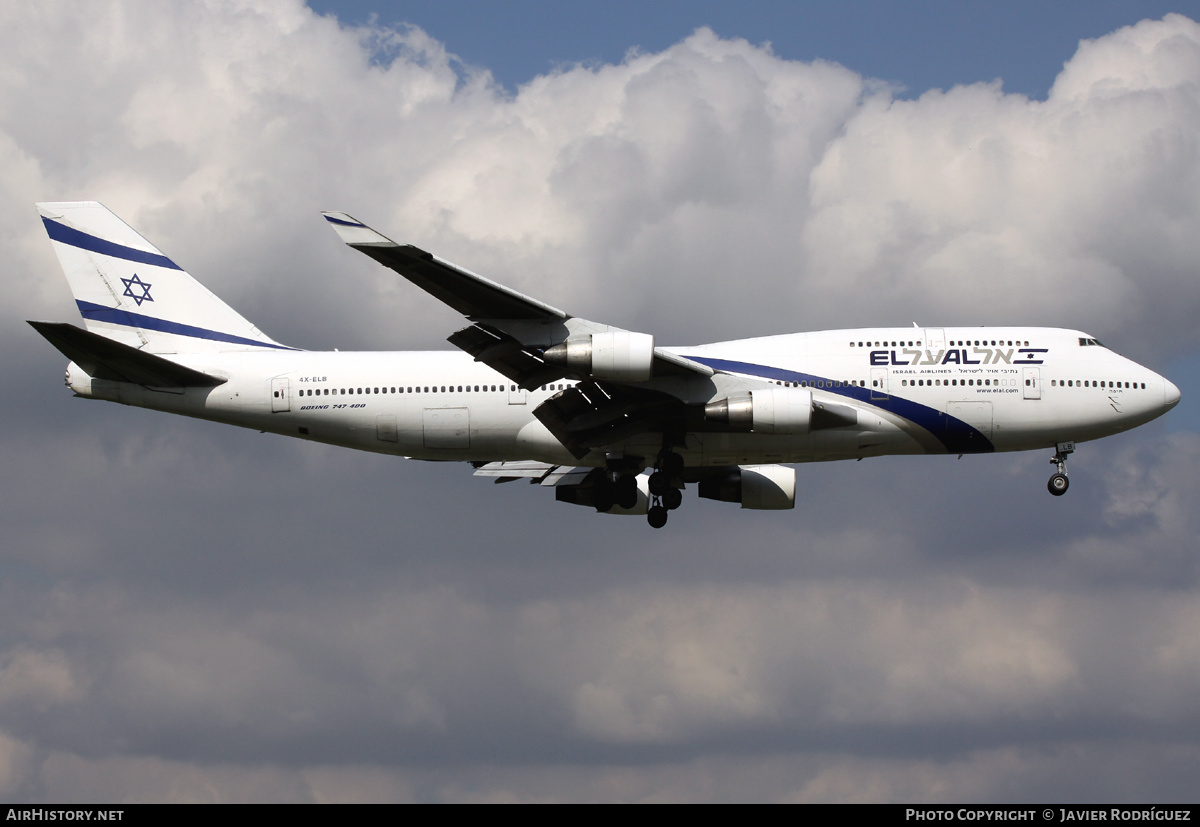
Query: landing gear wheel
1058, 484
672, 498
626, 491
657, 516
604, 495
659, 483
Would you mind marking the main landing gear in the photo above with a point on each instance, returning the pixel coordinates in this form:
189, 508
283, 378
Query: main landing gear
665, 496
622, 491
1059, 483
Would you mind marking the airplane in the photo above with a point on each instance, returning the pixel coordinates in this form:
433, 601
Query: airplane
604, 416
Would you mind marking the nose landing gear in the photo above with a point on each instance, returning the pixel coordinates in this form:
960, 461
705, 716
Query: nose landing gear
1059, 483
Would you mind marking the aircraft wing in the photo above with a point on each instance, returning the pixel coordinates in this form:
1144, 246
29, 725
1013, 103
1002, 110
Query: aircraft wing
534, 344
468, 293
512, 331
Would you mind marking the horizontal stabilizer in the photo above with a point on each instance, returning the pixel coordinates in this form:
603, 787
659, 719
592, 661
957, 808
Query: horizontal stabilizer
104, 358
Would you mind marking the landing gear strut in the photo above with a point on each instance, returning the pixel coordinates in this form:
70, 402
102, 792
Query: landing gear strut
664, 496
622, 491
1059, 483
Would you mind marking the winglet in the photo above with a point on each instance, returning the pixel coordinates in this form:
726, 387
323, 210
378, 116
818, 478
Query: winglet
354, 232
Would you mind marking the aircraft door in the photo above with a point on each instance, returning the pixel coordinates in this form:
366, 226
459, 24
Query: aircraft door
879, 383
386, 429
281, 399
1032, 381
447, 428
976, 414
516, 394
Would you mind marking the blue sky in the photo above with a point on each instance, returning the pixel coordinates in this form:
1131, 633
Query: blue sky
920, 45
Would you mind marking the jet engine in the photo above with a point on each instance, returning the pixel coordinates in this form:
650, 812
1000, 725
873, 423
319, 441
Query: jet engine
766, 411
588, 493
762, 487
618, 355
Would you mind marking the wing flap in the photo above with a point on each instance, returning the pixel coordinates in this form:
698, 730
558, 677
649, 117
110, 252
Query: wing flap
538, 473
590, 415
504, 354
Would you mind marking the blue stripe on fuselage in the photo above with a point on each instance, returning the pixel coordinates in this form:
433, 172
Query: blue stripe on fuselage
77, 238
112, 315
957, 436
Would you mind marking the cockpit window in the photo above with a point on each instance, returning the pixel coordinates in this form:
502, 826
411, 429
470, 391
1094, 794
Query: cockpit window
1089, 342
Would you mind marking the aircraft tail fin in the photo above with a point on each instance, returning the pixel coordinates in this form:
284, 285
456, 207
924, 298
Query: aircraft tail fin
128, 291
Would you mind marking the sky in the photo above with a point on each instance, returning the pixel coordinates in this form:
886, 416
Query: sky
192, 612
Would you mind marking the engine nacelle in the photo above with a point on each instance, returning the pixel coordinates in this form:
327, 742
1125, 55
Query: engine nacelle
762, 487
583, 495
765, 411
618, 355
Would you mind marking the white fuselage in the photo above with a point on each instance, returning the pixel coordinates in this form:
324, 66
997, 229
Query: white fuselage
948, 390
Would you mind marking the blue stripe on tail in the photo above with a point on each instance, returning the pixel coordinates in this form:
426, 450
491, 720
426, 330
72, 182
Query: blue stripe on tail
111, 315
77, 238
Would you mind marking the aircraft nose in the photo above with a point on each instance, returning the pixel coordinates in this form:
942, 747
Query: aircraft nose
1170, 394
